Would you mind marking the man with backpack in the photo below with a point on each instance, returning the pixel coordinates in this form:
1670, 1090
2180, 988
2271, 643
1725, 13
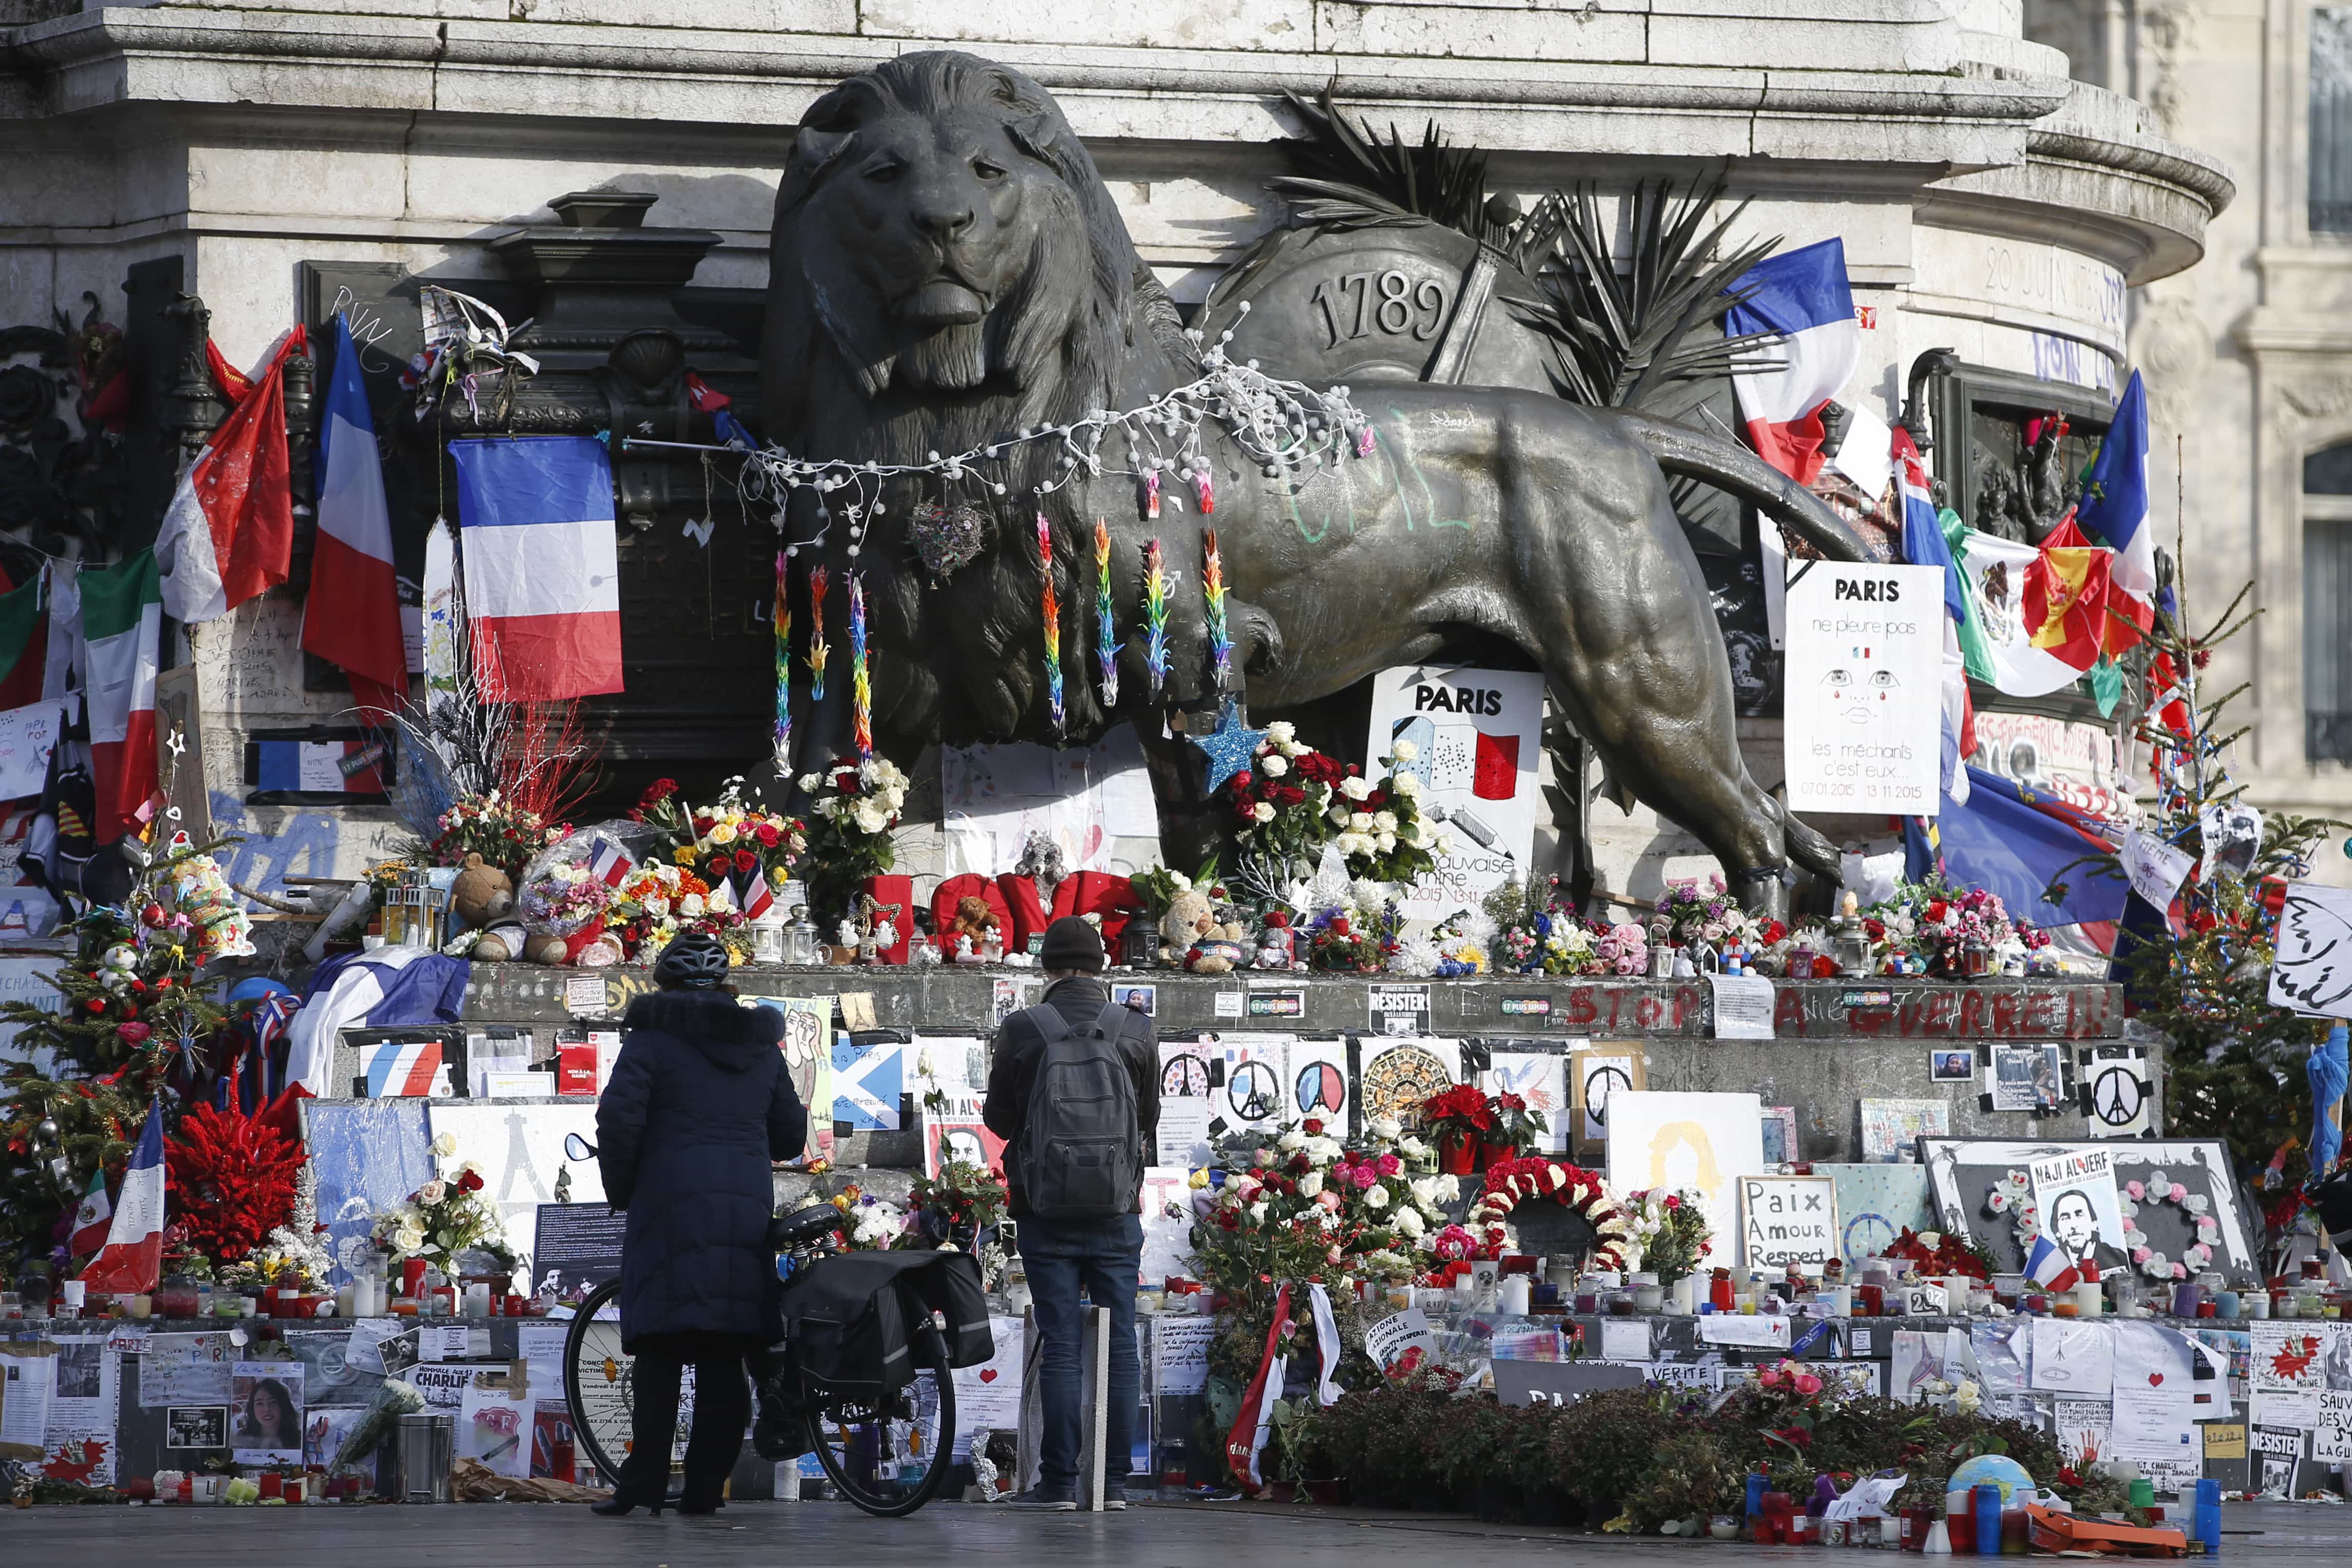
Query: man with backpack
1073, 1091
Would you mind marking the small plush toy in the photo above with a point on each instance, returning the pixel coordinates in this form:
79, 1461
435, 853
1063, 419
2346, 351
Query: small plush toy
482, 893
1277, 942
1192, 935
973, 918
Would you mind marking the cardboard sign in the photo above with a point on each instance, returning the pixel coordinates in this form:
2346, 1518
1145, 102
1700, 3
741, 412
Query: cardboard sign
1863, 722
1474, 740
1756, 1332
1785, 1219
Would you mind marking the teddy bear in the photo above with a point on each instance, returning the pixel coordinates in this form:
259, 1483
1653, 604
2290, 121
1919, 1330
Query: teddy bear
481, 894
1277, 944
1191, 935
974, 919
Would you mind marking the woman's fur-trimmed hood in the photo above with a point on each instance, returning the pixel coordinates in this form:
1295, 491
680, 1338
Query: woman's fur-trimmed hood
731, 1033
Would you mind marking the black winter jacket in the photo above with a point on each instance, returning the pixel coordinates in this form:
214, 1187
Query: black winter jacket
698, 1107
1013, 1072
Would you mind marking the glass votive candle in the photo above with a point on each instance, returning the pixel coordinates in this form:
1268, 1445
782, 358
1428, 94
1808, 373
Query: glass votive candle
272, 1484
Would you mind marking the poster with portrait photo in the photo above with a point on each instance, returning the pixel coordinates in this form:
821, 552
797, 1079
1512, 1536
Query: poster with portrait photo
1962, 1174
195, 1427
265, 1412
2028, 1077
1952, 1064
2082, 1209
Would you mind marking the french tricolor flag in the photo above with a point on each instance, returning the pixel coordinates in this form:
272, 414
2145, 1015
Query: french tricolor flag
352, 618
133, 1258
1803, 295
542, 576
755, 899
2047, 1267
402, 1068
609, 863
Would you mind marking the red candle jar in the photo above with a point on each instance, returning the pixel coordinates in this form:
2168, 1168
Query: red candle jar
272, 1484
412, 1277
1718, 1291
1874, 1301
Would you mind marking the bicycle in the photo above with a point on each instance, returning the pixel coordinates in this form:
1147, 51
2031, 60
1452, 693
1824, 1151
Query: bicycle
889, 1457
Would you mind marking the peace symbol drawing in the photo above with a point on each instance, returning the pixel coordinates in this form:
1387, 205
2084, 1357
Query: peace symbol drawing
1321, 1089
1253, 1091
1866, 1234
1184, 1074
2116, 1096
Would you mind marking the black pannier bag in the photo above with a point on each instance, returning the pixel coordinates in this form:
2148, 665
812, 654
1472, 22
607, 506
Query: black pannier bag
852, 1316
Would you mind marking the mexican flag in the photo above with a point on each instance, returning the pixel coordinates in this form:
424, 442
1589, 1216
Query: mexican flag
1997, 635
122, 624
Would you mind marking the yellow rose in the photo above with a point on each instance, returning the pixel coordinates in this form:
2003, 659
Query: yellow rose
722, 833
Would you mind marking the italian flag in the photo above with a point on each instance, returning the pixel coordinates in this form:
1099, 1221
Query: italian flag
122, 624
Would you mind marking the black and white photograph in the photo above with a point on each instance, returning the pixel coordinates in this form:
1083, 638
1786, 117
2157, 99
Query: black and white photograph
195, 1427
1957, 1066
81, 1369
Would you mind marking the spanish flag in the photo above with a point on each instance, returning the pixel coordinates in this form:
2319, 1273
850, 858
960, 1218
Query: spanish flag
2066, 596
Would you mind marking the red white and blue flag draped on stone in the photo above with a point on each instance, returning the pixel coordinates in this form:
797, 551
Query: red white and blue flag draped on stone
131, 1260
2050, 1268
541, 573
122, 621
1923, 545
1803, 295
229, 532
352, 618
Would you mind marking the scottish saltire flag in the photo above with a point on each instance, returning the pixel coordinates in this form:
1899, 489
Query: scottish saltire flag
608, 863
542, 576
402, 1067
867, 1082
133, 1258
352, 618
1923, 545
387, 988
2047, 1267
1803, 295
2115, 508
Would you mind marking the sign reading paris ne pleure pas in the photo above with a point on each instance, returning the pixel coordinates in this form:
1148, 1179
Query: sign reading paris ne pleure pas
1864, 717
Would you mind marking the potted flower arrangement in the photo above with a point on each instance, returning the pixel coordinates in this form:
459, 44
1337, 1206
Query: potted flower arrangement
444, 1217
1461, 1118
1940, 1254
952, 1209
1670, 1233
854, 807
1932, 926
503, 833
1516, 1128
660, 899
732, 844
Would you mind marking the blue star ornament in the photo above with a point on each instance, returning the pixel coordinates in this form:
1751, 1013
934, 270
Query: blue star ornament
1231, 745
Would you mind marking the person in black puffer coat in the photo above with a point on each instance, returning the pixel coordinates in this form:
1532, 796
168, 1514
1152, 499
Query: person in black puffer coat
698, 1108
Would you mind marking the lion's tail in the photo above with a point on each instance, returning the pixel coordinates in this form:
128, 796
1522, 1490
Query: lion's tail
1695, 454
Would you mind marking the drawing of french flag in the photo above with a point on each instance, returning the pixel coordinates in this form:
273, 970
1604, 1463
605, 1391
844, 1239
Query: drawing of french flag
402, 1068
1803, 295
609, 862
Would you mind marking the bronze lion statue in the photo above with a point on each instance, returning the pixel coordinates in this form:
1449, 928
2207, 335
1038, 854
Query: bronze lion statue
949, 271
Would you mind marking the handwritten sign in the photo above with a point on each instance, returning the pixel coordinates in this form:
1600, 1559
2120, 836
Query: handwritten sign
2332, 1438
1862, 727
1756, 1332
1387, 1341
1179, 1352
27, 736
1788, 1219
1743, 1006
2154, 867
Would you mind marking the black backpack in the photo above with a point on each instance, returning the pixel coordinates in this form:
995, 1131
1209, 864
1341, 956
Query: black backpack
1081, 1153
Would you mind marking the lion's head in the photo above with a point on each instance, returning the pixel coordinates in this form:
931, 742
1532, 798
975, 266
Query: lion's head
943, 244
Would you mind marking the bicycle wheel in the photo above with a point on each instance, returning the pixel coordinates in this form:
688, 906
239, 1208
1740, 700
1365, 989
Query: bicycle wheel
892, 1458
597, 1382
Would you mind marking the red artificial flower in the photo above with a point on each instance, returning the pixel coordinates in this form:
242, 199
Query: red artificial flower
746, 861
470, 1181
1313, 1125
165, 984
1936, 910
1773, 932
658, 791
133, 1032
1824, 967
1877, 930
1509, 1101
96, 1005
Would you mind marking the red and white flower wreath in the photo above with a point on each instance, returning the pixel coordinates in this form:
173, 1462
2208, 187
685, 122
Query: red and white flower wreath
1510, 1182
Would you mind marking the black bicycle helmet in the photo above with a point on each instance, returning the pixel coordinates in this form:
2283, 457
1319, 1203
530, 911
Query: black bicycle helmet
694, 961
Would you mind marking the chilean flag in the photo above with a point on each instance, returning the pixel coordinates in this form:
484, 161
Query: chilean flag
542, 576
2047, 1267
352, 619
1803, 295
229, 533
1924, 545
133, 1258
123, 619
2115, 508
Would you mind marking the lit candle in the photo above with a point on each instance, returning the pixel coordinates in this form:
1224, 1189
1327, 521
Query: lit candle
782, 619
818, 583
1105, 639
861, 688
1051, 610
1212, 592
1155, 617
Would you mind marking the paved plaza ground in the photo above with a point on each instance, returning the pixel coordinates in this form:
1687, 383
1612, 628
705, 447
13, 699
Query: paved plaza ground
1200, 1535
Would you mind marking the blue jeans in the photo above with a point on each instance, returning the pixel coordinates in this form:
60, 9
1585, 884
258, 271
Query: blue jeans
1102, 1255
